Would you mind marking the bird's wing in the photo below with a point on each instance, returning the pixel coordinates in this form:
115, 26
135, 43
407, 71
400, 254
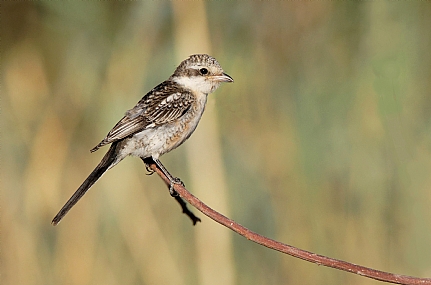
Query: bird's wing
164, 104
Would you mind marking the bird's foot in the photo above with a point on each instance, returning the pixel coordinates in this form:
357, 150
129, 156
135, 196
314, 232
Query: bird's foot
149, 170
175, 180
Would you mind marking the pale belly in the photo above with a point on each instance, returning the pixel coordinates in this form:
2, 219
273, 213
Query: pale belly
159, 140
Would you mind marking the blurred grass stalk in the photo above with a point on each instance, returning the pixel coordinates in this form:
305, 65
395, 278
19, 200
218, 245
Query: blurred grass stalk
208, 182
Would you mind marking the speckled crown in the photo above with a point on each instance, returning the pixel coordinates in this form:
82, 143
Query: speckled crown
197, 59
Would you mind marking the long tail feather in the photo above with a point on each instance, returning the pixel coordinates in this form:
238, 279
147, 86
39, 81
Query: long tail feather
108, 160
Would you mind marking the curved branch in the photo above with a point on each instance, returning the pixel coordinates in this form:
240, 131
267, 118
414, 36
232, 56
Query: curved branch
287, 249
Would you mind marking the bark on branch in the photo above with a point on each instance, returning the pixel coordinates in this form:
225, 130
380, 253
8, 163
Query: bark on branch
287, 249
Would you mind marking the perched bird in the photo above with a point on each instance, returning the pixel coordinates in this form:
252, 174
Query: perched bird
161, 121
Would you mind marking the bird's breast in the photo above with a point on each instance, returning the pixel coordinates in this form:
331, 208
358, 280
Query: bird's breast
161, 139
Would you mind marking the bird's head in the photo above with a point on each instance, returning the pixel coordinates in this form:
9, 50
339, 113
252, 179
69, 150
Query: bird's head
200, 73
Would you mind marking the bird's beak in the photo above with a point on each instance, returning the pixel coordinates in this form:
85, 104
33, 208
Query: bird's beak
222, 78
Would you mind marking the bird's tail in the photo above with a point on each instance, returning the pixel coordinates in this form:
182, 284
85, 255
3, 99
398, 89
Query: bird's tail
109, 160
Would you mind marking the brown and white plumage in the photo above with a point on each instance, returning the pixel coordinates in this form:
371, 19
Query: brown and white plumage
161, 121
164, 104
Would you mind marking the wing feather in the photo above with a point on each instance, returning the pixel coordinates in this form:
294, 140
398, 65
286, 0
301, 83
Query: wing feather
166, 103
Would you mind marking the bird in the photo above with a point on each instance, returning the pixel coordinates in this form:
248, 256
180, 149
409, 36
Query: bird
160, 122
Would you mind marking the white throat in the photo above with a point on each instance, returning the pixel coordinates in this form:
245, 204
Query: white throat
197, 84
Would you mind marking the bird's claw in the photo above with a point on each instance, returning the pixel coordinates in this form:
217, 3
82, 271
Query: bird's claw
149, 170
172, 191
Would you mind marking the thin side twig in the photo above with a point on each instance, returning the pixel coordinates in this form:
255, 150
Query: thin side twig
186, 210
287, 249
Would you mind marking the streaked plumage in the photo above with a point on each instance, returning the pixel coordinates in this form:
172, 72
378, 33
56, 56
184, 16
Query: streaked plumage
163, 105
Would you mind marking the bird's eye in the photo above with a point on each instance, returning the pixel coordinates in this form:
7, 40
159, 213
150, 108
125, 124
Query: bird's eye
203, 71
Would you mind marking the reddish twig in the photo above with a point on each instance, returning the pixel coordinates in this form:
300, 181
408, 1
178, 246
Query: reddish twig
287, 249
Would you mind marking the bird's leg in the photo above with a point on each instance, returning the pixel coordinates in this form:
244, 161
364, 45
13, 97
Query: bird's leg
173, 180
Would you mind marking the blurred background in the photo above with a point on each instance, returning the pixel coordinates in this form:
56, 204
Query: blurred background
323, 141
